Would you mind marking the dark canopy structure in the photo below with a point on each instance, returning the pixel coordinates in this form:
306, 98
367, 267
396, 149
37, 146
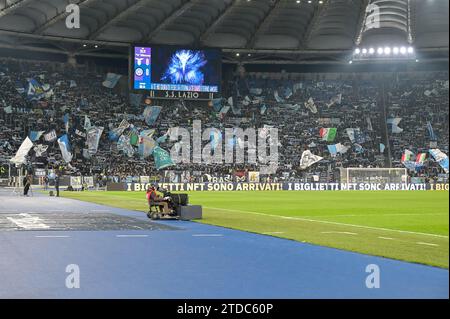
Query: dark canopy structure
295, 29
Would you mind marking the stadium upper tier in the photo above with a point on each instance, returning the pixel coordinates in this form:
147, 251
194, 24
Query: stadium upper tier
37, 98
329, 27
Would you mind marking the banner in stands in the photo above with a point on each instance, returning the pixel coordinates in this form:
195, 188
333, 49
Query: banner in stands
76, 182
222, 187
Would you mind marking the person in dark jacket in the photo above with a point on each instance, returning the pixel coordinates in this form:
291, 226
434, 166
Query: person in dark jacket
26, 185
57, 185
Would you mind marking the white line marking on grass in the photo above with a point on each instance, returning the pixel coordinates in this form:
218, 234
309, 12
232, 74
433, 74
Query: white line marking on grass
330, 223
339, 232
427, 244
375, 215
274, 233
207, 235
131, 236
52, 236
386, 238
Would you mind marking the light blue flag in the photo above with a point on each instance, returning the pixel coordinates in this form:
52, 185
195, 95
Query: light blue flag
35, 135
433, 136
263, 109
382, 148
111, 80
277, 97
151, 114
35, 91
146, 143
66, 122
162, 158
333, 150
441, 158
217, 104
216, 139
64, 145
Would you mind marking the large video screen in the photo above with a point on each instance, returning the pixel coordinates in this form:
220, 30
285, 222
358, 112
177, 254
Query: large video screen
166, 68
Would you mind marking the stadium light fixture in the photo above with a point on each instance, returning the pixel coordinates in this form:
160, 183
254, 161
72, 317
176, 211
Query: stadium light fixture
384, 53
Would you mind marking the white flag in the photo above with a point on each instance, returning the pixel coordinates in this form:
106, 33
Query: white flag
309, 159
22, 152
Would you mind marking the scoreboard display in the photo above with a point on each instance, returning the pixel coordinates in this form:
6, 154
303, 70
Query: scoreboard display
175, 72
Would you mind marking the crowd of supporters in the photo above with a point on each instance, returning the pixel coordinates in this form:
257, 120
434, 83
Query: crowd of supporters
298, 106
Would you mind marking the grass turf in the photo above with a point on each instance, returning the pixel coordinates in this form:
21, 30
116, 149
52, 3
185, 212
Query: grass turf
409, 226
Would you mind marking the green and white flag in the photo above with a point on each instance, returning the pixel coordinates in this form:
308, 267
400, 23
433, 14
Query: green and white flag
162, 158
328, 134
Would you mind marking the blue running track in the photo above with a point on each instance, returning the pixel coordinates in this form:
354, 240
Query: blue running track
193, 261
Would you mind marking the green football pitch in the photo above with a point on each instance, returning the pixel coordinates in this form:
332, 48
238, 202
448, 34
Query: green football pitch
409, 226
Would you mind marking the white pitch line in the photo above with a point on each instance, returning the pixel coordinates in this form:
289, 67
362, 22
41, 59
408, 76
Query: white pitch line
339, 232
52, 236
386, 238
100, 210
427, 244
331, 223
375, 215
207, 235
131, 236
274, 233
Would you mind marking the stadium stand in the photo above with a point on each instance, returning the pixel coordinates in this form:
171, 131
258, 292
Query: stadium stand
342, 101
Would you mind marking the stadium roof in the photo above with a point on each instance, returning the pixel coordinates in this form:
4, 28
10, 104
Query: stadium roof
296, 29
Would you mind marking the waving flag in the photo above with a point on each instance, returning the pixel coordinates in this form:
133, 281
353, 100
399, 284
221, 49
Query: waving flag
309, 159
146, 143
263, 109
382, 148
335, 100
393, 123
328, 134
311, 105
151, 114
441, 158
162, 158
407, 156
216, 139
40, 150
64, 145
217, 104
66, 122
93, 139
26, 146
87, 123
35, 91
114, 134
277, 97
35, 135
111, 80
8, 109
50, 136
433, 136
420, 159
333, 150
124, 145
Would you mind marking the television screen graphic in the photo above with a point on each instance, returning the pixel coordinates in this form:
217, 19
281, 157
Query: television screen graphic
177, 69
